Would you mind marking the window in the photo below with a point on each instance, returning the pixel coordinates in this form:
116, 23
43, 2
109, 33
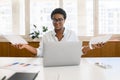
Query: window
103, 17
5, 16
109, 16
70, 6
85, 17
12, 16
89, 18
40, 12
22, 17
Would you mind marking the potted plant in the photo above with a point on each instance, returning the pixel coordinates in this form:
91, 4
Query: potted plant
45, 29
36, 33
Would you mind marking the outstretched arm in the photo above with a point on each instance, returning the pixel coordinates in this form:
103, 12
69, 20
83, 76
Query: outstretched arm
85, 49
26, 46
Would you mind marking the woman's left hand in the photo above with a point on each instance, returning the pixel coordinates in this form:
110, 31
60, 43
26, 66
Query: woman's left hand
99, 45
85, 49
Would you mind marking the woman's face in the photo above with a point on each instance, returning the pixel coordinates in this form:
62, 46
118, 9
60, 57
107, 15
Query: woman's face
58, 21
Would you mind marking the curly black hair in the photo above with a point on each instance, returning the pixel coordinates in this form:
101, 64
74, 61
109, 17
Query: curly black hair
59, 11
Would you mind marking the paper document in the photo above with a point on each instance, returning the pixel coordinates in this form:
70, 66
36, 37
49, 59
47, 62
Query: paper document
22, 67
15, 39
99, 39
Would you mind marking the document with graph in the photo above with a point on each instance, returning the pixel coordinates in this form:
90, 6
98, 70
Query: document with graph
15, 39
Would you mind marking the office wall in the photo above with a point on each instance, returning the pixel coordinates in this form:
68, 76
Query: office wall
111, 49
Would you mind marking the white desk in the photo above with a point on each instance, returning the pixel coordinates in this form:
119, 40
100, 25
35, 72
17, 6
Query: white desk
87, 70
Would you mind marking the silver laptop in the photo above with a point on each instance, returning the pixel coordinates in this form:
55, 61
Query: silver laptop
61, 54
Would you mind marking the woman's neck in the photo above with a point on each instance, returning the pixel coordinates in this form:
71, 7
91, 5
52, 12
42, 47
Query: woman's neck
59, 31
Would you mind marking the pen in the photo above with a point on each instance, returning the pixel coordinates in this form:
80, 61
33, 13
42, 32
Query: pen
27, 65
22, 63
14, 63
4, 78
36, 75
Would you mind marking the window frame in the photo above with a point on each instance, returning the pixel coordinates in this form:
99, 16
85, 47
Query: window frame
81, 17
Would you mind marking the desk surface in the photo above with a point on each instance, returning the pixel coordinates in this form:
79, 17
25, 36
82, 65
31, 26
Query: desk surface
87, 70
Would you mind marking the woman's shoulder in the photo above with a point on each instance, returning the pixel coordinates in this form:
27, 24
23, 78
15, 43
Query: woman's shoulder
48, 33
69, 31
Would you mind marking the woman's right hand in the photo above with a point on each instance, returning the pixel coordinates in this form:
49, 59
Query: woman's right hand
19, 46
26, 46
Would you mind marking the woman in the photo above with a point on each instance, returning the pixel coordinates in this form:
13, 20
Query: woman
60, 33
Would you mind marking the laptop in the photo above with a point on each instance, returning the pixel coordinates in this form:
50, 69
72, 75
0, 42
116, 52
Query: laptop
61, 53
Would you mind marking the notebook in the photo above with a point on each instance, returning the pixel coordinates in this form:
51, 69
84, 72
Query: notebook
23, 76
61, 53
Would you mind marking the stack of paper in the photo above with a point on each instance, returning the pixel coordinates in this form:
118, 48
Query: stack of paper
99, 39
